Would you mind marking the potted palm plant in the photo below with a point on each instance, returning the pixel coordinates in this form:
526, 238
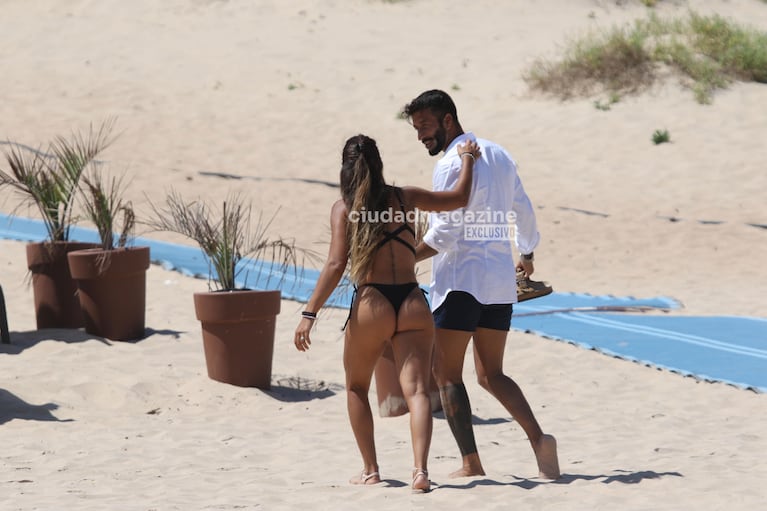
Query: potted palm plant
238, 312
111, 279
49, 181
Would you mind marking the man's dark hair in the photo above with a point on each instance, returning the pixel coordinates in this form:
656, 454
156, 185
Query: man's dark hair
436, 101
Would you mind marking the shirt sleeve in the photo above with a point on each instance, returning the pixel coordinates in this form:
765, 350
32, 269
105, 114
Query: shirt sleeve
446, 227
526, 235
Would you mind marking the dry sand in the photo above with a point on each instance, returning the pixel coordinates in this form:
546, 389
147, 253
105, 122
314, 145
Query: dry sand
268, 91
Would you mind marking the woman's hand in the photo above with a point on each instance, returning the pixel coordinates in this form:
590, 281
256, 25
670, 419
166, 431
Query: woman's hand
301, 339
469, 147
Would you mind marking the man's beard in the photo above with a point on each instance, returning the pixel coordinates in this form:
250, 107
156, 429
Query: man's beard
440, 136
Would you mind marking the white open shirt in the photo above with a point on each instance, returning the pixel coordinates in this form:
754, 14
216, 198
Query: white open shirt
474, 252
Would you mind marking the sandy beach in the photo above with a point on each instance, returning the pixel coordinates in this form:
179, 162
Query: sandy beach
258, 97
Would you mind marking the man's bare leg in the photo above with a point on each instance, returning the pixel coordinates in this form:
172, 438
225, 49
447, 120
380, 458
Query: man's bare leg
457, 408
546, 456
489, 346
450, 349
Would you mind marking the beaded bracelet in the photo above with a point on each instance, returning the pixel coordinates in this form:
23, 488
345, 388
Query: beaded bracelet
467, 152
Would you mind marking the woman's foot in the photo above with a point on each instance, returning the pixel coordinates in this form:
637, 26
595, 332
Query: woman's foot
421, 483
364, 478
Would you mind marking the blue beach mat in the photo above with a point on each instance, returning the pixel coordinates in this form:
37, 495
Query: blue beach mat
728, 349
296, 284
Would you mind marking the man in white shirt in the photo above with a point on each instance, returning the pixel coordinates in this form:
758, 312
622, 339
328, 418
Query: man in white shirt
473, 286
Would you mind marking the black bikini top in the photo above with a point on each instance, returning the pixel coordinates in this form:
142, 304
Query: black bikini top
394, 235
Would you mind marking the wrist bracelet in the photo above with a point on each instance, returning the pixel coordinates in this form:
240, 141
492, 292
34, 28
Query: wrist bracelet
309, 315
467, 152
528, 257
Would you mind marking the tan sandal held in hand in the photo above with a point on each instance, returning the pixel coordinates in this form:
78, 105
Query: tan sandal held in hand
528, 289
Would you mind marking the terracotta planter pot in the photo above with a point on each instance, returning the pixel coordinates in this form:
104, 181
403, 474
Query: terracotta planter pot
55, 293
238, 335
391, 400
113, 294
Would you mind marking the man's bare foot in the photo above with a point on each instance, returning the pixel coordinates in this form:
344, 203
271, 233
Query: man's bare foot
471, 467
421, 483
363, 478
467, 472
546, 456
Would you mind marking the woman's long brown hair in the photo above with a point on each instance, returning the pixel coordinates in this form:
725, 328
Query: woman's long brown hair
363, 190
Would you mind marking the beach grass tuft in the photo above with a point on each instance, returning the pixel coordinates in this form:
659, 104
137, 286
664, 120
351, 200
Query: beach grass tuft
706, 52
661, 137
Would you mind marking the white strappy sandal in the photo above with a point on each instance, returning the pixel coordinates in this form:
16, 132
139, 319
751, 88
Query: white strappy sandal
419, 472
364, 478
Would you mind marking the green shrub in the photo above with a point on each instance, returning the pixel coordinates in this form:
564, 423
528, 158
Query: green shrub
707, 52
660, 137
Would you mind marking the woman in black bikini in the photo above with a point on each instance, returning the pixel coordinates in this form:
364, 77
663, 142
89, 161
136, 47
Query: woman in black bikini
388, 303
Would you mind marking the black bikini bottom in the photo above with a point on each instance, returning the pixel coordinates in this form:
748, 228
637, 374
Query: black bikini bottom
395, 293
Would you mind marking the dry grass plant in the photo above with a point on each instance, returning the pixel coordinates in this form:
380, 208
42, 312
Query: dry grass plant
50, 180
707, 52
229, 240
103, 203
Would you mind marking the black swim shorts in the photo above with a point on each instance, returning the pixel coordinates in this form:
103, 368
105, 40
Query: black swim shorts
461, 311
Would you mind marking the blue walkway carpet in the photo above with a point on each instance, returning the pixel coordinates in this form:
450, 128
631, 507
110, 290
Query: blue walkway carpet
189, 260
729, 349
717, 348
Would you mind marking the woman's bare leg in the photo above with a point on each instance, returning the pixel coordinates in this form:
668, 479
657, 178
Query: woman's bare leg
363, 344
412, 352
413, 347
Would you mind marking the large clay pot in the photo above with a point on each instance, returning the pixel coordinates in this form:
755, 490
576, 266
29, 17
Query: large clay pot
391, 400
111, 286
54, 291
238, 335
